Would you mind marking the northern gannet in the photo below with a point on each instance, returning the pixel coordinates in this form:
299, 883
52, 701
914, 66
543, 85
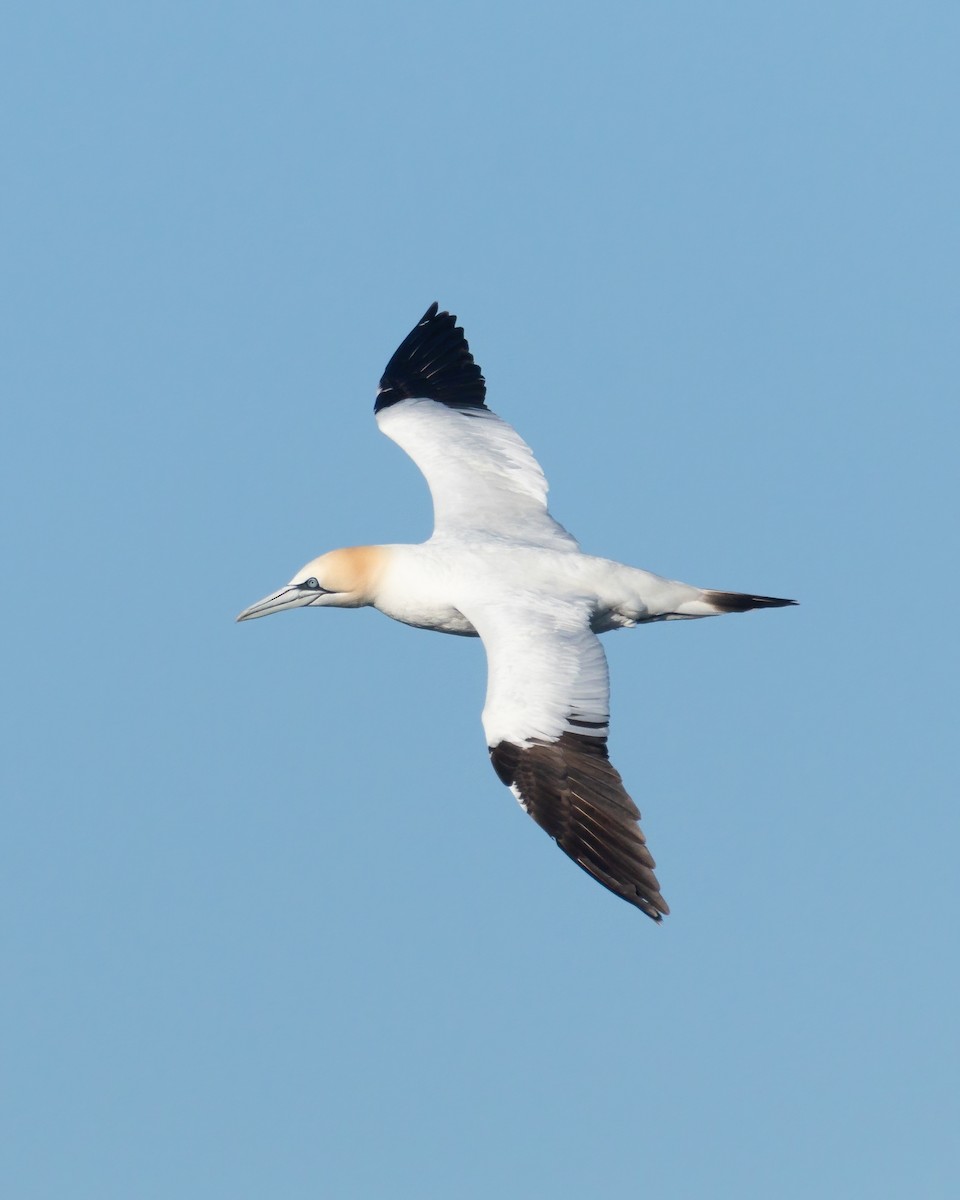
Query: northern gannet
499, 567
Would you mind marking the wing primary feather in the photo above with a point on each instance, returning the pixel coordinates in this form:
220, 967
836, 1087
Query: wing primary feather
573, 791
433, 362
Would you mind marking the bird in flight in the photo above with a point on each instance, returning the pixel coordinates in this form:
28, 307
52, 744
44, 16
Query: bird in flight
500, 568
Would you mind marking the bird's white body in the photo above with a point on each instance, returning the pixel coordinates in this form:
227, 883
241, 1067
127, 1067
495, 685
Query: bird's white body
499, 567
432, 585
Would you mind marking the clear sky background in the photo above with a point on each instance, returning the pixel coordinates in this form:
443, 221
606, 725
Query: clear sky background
272, 927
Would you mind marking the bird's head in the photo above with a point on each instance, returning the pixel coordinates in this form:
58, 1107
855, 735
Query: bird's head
340, 579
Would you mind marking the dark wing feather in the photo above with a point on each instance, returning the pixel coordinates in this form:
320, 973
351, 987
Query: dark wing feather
573, 791
433, 362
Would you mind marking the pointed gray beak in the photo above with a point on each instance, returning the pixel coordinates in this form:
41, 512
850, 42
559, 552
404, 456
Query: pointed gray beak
287, 597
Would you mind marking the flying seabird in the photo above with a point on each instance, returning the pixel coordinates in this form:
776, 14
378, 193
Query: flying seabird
499, 567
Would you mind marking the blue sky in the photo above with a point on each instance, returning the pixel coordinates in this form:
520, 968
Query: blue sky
271, 926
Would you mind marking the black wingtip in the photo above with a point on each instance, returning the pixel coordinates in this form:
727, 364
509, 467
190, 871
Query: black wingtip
574, 793
433, 362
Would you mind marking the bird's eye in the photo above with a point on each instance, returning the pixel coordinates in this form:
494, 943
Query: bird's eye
311, 583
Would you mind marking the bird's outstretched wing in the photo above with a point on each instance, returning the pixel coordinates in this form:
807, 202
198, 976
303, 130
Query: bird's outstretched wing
482, 476
546, 719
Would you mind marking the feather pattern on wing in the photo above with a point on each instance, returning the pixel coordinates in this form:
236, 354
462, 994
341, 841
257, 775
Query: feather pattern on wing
546, 720
482, 475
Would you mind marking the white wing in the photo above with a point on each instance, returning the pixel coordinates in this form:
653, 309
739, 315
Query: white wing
482, 476
546, 717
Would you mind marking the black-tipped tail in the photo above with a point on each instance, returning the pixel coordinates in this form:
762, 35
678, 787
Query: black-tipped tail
728, 602
433, 362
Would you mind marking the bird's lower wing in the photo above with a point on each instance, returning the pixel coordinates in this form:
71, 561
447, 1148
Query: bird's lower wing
546, 719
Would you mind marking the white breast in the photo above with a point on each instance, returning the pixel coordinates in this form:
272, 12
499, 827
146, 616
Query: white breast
419, 587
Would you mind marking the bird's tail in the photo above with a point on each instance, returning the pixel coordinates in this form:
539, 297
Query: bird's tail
709, 604
726, 602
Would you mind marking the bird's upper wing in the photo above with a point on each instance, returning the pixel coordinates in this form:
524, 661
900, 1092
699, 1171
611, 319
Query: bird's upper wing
546, 718
482, 476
